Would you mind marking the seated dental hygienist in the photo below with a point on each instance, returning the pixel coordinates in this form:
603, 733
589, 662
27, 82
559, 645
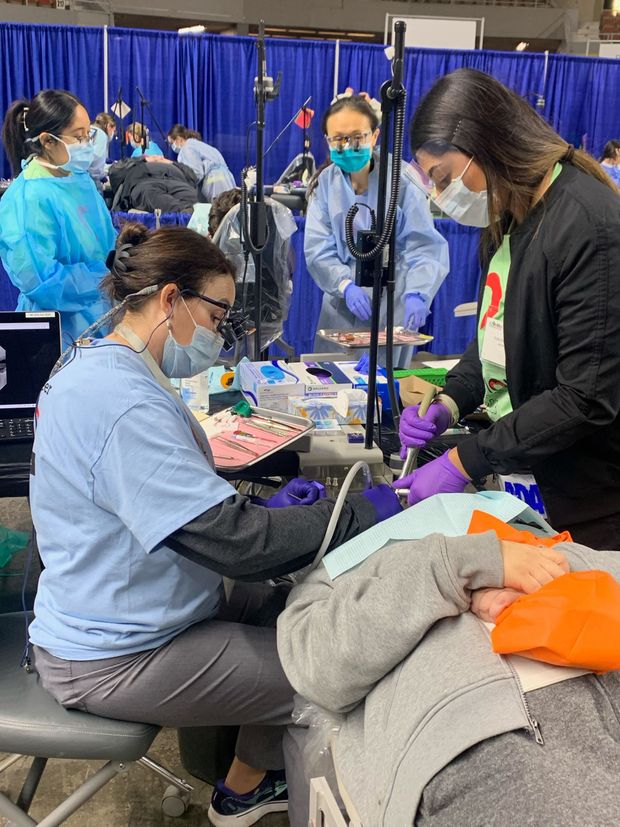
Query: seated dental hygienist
436, 729
351, 176
136, 529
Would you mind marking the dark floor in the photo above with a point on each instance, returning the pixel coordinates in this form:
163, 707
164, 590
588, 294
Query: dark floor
131, 800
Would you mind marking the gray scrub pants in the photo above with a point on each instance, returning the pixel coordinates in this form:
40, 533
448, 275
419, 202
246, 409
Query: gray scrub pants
223, 671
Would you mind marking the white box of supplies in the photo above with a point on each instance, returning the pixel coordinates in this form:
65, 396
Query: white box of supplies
270, 384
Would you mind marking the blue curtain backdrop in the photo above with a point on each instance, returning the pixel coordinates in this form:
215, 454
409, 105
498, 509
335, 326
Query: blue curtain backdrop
39, 57
582, 95
206, 82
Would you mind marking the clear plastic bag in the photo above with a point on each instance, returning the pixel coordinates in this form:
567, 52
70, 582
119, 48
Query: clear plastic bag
323, 728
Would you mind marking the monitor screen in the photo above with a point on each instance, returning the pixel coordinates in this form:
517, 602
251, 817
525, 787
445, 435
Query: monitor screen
29, 348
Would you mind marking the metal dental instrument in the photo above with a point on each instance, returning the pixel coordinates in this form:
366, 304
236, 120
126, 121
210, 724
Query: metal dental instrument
237, 447
247, 435
412, 453
270, 430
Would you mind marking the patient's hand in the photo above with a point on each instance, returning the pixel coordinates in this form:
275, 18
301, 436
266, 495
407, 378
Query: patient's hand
488, 604
527, 568
156, 159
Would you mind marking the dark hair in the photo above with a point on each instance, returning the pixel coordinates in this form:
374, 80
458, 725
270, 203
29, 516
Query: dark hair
610, 150
171, 255
471, 112
357, 103
51, 110
104, 121
220, 205
180, 131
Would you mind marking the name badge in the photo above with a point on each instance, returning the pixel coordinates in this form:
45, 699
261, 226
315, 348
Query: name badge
493, 343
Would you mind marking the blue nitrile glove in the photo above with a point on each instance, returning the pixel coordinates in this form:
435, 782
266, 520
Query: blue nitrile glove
297, 492
416, 431
416, 312
358, 302
440, 476
384, 501
363, 364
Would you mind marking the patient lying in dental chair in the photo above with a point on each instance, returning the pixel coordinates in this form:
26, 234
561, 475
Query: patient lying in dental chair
437, 730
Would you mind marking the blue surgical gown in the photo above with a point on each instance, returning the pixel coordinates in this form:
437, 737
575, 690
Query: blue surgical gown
97, 168
152, 149
55, 235
422, 261
209, 166
613, 172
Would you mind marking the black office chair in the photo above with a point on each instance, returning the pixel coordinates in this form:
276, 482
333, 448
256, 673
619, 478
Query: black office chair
32, 723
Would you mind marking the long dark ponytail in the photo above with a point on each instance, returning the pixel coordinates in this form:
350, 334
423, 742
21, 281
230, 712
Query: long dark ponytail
357, 103
52, 110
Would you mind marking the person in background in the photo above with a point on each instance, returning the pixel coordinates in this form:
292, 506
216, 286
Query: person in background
104, 130
351, 176
611, 160
545, 357
206, 161
136, 528
55, 230
139, 137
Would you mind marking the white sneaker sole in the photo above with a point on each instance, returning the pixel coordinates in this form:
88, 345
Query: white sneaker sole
248, 818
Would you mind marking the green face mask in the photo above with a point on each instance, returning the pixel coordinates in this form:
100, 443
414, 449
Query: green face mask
350, 159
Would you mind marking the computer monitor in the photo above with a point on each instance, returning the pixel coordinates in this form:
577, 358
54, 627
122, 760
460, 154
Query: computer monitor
29, 348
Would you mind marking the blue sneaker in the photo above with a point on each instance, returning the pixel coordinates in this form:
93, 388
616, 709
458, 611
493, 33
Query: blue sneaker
230, 808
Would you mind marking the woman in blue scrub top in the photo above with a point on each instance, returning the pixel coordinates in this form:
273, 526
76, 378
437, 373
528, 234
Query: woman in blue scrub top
350, 126
139, 136
136, 529
207, 162
55, 229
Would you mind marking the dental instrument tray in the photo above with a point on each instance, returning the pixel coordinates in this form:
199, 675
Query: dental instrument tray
243, 435
360, 339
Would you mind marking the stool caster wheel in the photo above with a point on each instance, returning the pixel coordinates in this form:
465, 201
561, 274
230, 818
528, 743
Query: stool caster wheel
175, 802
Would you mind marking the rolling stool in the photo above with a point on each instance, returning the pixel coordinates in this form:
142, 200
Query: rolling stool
33, 723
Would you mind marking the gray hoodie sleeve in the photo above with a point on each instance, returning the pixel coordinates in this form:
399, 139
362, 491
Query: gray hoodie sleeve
337, 639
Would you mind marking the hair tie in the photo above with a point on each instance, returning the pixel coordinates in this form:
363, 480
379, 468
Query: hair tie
116, 262
25, 109
569, 154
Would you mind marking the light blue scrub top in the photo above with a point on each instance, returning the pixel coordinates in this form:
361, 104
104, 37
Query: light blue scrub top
210, 167
116, 471
152, 149
422, 260
55, 236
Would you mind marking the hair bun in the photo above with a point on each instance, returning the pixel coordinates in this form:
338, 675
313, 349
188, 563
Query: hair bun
132, 234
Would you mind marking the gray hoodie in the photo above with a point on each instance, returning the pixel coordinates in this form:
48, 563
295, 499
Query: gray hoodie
392, 644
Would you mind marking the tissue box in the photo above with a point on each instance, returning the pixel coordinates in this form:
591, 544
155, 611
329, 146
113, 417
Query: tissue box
347, 408
321, 378
269, 384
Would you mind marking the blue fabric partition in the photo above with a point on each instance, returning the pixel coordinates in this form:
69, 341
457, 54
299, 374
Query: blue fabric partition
39, 57
582, 96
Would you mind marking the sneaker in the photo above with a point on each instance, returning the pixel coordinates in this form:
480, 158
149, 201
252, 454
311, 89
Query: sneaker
230, 808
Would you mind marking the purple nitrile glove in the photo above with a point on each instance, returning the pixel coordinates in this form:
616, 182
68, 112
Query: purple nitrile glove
416, 312
384, 501
440, 476
297, 492
358, 302
416, 431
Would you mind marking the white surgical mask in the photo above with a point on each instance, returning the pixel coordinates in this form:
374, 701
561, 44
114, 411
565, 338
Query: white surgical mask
182, 361
463, 205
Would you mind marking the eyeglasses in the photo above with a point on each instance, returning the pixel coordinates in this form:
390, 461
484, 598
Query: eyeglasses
419, 178
354, 141
222, 305
233, 325
83, 139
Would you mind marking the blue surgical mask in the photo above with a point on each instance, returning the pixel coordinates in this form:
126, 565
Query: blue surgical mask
175, 148
350, 159
80, 157
462, 204
182, 361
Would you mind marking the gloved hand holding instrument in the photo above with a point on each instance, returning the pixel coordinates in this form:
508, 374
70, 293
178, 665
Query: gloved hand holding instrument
296, 492
440, 475
416, 312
